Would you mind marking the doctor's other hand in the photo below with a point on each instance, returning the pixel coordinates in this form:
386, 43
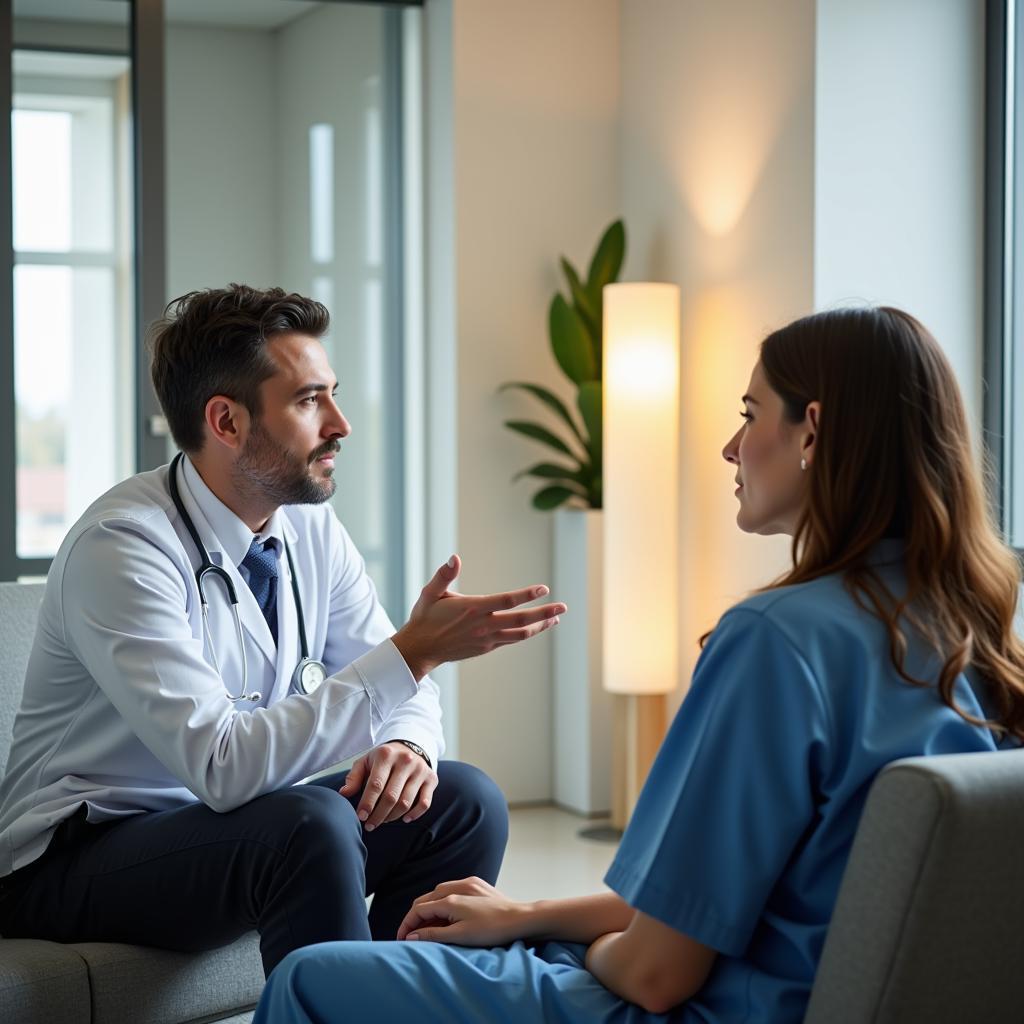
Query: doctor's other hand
447, 626
469, 912
395, 783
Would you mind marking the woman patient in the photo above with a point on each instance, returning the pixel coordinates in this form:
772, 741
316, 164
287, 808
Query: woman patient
890, 636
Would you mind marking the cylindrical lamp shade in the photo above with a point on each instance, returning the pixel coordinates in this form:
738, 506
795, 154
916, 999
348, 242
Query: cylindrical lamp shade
640, 487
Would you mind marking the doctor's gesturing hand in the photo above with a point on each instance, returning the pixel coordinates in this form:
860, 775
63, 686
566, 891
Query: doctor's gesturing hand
446, 626
396, 782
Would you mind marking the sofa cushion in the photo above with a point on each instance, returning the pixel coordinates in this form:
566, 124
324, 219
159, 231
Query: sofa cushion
19, 610
42, 981
137, 983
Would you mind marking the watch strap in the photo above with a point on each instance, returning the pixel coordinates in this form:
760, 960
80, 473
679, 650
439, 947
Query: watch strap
416, 749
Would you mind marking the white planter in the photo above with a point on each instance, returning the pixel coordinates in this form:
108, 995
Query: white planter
582, 708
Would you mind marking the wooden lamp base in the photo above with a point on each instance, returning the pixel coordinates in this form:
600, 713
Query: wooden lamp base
639, 724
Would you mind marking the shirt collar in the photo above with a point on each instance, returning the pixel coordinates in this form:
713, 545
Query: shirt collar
232, 537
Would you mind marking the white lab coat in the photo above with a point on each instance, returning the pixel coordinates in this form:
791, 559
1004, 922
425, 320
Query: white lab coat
122, 707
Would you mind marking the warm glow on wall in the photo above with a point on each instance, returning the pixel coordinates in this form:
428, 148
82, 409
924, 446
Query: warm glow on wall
641, 487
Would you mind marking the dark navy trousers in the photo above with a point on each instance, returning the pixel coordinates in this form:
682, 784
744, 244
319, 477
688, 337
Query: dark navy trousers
295, 865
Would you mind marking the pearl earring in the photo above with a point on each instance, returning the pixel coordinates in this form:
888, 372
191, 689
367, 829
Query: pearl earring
803, 464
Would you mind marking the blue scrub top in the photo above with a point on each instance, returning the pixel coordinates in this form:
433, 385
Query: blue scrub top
744, 827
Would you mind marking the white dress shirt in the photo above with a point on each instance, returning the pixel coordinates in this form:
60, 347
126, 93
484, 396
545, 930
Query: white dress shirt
123, 709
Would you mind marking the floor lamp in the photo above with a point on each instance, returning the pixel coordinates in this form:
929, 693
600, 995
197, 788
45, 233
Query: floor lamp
641, 544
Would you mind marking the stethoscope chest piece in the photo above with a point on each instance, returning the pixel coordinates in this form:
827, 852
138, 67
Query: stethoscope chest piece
309, 675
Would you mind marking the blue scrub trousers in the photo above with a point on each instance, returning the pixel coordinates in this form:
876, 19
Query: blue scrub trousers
430, 983
296, 865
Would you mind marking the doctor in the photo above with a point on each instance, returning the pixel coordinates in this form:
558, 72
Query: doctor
208, 638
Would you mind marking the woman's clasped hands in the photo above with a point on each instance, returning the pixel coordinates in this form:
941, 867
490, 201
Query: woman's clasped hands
467, 912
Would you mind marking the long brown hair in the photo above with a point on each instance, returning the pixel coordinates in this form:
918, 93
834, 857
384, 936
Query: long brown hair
893, 458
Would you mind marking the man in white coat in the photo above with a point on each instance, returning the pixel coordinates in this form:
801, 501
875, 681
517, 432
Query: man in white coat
209, 638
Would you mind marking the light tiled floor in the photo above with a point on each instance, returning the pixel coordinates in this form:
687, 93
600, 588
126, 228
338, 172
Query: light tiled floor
546, 859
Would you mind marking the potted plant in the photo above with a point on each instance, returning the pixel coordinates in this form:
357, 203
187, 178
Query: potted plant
575, 326
571, 486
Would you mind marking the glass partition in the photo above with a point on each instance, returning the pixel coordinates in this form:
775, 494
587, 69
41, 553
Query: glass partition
283, 168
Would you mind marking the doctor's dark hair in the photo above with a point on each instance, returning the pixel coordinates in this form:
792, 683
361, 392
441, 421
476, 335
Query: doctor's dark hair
213, 342
893, 457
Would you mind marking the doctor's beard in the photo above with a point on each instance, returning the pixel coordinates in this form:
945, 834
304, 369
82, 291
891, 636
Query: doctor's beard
280, 474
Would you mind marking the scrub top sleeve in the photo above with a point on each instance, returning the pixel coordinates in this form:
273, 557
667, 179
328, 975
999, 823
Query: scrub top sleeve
732, 789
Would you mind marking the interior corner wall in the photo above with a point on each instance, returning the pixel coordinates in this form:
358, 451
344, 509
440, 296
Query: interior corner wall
717, 177
535, 89
900, 167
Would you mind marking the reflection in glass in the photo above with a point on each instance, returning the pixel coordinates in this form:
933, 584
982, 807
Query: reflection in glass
321, 192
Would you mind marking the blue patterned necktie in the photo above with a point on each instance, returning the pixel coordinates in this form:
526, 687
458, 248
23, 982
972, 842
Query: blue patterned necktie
261, 564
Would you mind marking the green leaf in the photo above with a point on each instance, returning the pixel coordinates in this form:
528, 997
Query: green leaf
539, 433
552, 471
552, 401
571, 342
581, 300
551, 497
589, 402
608, 257
604, 269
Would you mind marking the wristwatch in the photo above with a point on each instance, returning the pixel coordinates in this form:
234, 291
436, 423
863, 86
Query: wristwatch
416, 749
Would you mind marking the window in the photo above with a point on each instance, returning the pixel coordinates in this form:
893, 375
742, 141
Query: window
151, 153
72, 290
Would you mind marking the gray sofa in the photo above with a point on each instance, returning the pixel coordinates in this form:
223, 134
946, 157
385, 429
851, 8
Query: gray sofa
106, 982
927, 927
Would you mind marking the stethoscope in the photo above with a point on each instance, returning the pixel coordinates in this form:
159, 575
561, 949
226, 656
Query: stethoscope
308, 674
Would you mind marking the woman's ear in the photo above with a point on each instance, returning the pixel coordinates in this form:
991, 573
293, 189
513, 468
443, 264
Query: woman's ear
809, 431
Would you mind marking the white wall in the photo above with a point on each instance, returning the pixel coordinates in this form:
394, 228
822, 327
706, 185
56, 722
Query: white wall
534, 89
716, 152
899, 166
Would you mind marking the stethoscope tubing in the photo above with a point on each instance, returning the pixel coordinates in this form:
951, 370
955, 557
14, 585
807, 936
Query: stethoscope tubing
208, 568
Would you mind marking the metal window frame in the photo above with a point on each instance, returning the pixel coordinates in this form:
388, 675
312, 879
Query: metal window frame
9, 562
1004, 230
150, 206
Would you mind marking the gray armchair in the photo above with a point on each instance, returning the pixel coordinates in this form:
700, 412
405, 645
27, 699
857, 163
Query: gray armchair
106, 982
929, 925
